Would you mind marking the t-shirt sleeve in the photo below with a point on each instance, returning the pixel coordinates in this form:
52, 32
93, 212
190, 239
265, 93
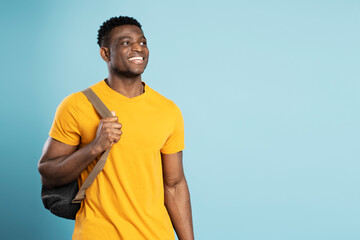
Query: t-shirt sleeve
65, 126
175, 142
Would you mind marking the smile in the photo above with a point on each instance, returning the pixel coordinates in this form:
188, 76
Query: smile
136, 59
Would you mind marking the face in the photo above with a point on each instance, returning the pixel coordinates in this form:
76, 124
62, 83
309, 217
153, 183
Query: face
127, 52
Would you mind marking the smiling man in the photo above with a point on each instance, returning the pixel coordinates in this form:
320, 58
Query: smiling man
142, 192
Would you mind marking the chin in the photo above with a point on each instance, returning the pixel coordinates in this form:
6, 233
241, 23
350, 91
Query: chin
138, 71
130, 74
135, 73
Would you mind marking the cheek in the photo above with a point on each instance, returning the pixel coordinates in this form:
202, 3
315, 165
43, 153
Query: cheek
117, 56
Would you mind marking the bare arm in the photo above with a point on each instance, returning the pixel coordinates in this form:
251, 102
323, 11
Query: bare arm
61, 163
177, 196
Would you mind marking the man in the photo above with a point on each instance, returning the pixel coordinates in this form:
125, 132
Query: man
142, 191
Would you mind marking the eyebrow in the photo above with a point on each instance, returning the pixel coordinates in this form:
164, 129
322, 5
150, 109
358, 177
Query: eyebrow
121, 38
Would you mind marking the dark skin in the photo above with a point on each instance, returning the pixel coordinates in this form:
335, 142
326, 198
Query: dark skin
177, 196
126, 55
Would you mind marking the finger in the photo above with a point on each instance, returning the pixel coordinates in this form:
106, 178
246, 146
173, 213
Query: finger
110, 119
117, 139
114, 138
110, 125
115, 125
115, 131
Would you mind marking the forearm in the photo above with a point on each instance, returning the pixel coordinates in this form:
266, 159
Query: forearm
64, 169
177, 202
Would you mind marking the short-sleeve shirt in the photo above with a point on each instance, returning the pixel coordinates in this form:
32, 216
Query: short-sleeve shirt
126, 200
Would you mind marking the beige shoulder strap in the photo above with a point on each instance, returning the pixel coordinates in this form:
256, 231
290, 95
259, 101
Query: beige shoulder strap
104, 112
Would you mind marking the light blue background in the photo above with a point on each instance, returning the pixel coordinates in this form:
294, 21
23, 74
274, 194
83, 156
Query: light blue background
269, 91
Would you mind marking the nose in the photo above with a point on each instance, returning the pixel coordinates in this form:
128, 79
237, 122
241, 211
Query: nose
136, 47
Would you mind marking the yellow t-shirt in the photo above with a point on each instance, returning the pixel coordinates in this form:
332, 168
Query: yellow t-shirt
126, 200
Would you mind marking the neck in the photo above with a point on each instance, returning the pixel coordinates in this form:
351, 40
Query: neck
129, 87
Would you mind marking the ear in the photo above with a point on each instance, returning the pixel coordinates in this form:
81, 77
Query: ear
105, 54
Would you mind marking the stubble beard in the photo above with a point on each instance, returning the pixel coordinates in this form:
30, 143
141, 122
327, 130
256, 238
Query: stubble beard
127, 73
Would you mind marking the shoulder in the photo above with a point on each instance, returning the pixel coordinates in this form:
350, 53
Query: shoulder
70, 101
162, 101
78, 98
76, 101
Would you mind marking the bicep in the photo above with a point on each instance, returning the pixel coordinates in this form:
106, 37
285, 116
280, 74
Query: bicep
173, 172
54, 149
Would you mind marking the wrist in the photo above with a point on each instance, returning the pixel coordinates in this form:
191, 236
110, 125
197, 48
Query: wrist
94, 149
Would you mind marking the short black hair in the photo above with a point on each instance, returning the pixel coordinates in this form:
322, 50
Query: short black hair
107, 26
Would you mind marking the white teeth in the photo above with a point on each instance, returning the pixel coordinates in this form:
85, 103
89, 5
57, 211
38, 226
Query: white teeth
136, 58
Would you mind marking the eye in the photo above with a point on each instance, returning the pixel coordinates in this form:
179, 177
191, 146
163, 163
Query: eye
125, 43
143, 43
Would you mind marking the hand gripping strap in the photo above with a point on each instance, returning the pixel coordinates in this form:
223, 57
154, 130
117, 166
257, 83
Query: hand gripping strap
104, 112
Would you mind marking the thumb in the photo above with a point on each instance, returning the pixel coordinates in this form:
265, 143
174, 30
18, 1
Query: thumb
113, 113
